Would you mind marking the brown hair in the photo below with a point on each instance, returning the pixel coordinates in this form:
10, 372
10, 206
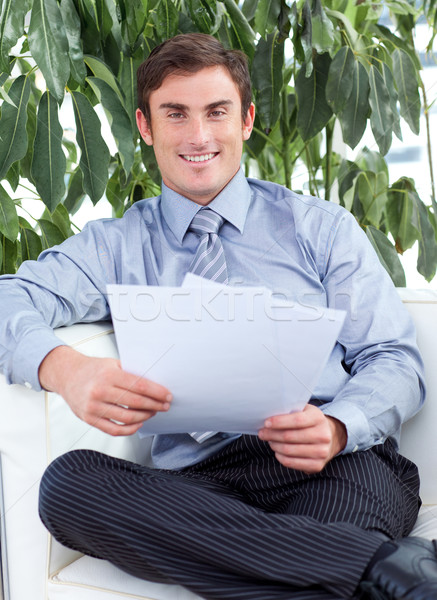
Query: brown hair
189, 53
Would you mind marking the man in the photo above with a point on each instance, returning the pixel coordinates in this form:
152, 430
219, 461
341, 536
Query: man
317, 506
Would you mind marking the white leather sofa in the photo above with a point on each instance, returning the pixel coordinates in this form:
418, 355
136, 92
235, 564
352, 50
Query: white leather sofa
37, 427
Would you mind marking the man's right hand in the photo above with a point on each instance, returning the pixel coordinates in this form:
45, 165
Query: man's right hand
100, 392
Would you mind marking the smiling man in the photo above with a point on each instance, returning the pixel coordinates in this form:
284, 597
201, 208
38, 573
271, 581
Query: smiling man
198, 140
318, 504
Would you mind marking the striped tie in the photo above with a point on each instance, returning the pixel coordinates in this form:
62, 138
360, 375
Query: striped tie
210, 263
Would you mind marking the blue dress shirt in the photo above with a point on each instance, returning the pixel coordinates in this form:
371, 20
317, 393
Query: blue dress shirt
304, 249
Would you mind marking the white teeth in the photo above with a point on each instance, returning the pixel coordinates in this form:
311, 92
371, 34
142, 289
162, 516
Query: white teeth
198, 158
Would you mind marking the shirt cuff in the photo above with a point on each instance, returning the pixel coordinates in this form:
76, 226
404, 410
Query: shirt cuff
355, 421
29, 354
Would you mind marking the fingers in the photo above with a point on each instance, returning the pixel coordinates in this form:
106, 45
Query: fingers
141, 387
305, 441
103, 395
120, 411
124, 397
115, 429
306, 465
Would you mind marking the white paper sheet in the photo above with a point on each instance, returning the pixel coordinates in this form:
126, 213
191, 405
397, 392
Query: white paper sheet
231, 356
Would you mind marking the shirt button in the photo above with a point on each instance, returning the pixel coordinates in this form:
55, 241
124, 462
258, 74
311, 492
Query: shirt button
28, 385
355, 449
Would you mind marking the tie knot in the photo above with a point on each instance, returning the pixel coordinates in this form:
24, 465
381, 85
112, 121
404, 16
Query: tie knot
206, 221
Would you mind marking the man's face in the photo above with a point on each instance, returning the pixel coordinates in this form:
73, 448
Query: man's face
197, 132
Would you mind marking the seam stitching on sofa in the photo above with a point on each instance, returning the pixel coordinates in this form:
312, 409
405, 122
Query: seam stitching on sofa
100, 589
92, 337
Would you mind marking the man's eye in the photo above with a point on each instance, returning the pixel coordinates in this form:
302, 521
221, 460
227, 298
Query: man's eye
217, 113
175, 115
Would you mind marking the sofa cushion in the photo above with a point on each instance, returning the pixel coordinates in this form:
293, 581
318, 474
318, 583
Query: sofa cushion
101, 581
95, 579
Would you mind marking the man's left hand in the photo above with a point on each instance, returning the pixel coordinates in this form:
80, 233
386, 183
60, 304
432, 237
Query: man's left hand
306, 440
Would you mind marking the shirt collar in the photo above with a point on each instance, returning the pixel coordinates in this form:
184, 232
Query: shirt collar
232, 204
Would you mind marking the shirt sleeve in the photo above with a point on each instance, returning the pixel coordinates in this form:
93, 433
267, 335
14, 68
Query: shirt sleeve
66, 285
386, 384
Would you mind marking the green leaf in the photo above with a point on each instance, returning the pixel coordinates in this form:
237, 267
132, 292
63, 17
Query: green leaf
201, 14
100, 15
49, 45
313, 110
3, 79
115, 194
13, 176
347, 174
48, 164
51, 235
306, 38
393, 41
340, 79
387, 255
133, 20
381, 117
149, 160
401, 7
118, 118
94, 160
322, 29
10, 254
25, 163
8, 216
409, 220
406, 83
13, 135
402, 214
102, 71
371, 189
390, 85
73, 30
369, 160
243, 32
266, 16
11, 28
31, 246
267, 70
353, 117
128, 81
75, 194
354, 38
61, 218
166, 19
427, 259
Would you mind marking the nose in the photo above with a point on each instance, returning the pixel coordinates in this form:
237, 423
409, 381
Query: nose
199, 132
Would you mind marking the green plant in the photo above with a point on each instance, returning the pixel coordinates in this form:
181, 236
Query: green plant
313, 63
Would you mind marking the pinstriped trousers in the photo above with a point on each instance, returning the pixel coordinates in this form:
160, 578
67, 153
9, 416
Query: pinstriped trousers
238, 525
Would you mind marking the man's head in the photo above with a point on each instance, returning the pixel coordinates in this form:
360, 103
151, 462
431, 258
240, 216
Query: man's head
189, 53
196, 112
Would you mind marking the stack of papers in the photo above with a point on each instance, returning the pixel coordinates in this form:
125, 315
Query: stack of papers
231, 356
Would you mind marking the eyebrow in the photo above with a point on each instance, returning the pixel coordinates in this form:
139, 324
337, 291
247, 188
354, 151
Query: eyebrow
177, 106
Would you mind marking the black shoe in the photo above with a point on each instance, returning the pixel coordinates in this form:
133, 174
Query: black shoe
407, 573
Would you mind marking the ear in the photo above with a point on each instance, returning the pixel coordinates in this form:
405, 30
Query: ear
248, 122
144, 128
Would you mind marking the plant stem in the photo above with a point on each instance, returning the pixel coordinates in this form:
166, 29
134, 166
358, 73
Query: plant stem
267, 138
428, 147
285, 154
312, 181
328, 159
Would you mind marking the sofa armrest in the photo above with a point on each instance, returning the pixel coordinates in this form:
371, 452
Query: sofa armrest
419, 439
35, 428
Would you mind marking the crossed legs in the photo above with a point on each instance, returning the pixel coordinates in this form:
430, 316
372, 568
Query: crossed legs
237, 525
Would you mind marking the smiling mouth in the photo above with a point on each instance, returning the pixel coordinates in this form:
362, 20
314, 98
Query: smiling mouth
199, 157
